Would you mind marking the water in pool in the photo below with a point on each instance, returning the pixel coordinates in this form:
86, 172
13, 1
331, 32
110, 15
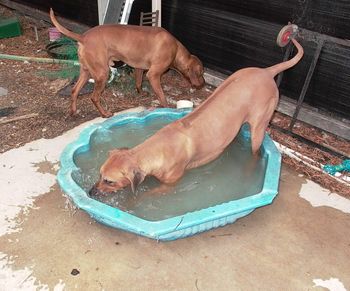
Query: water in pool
234, 175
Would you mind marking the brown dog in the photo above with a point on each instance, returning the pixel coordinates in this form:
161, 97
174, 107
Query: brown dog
142, 47
249, 95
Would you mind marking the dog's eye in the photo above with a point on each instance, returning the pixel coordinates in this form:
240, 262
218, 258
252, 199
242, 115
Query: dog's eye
108, 182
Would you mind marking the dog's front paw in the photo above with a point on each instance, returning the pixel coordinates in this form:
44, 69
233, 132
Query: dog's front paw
107, 114
73, 113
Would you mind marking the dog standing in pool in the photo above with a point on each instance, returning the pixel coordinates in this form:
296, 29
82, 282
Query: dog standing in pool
249, 95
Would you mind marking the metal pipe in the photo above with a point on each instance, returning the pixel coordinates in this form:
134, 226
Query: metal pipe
40, 60
307, 82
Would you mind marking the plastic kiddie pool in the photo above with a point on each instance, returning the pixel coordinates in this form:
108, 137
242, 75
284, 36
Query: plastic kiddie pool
179, 226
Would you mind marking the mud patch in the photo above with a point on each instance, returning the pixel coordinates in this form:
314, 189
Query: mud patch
47, 167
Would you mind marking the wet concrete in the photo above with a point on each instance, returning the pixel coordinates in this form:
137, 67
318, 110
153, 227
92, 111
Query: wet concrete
283, 246
299, 242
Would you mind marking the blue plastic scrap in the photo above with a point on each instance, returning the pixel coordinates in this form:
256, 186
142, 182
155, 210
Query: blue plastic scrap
333, 169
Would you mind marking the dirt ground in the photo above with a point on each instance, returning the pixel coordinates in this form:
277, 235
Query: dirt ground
33, 94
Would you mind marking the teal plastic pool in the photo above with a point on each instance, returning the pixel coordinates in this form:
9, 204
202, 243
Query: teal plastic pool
174, 227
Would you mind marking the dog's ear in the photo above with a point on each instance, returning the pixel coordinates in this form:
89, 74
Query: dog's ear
136, 179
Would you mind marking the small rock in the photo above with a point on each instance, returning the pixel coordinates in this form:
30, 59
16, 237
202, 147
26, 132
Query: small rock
175, 92
3, 91
171, 100
26, 62
44, 129
155, 103
75, 272
196, 101
166, 88
146, 89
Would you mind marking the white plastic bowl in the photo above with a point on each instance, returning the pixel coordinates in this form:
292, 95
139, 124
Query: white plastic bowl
184, 104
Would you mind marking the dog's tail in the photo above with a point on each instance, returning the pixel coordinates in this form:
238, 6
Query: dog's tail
276, 69
64, 30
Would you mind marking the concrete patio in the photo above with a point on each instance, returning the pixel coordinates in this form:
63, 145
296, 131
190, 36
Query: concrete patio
299, 242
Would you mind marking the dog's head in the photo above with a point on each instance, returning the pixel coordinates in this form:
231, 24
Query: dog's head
118, 171
195, 72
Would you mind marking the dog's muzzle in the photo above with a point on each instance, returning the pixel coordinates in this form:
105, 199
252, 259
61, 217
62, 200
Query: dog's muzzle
95, 192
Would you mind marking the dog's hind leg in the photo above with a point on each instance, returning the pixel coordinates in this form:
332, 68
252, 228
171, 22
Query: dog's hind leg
100, 78
138, 80
257, 136
259, 124
83, 78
